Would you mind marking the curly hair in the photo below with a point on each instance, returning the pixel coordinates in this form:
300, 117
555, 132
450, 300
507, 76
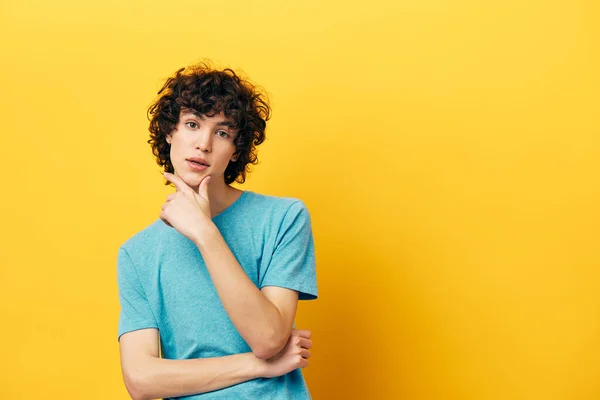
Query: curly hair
209, 91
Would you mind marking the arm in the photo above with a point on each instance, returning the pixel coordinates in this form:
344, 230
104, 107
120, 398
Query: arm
148, 377
264, 318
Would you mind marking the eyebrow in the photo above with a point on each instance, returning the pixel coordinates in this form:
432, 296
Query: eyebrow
229, 124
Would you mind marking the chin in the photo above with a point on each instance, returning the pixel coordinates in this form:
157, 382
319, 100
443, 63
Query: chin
189, 177
192, 179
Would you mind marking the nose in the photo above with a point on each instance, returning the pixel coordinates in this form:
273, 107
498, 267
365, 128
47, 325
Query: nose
204, 141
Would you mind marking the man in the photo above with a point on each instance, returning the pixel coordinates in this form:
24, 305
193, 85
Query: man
215, 281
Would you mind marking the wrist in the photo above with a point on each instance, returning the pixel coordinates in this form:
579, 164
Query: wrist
202, 236
258, 367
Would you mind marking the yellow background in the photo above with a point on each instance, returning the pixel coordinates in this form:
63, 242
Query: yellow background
448, 151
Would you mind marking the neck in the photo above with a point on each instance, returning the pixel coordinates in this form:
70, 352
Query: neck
221, 196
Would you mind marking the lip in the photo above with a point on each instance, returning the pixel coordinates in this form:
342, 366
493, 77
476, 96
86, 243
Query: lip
196, 167
200, 160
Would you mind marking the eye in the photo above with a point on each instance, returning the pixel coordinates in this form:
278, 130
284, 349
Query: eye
191, 124
223, 134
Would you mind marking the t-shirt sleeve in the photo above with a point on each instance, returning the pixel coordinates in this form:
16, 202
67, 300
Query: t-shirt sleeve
292, 264
136, 312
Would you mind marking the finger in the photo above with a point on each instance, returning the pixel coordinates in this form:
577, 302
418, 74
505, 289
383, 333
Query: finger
305, 353
305, 333
305, 343
171, 196
180, 185
203, 188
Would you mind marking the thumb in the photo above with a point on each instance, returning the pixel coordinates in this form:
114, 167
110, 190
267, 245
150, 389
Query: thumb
203, 188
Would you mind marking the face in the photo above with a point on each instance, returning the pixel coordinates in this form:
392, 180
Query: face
202, 146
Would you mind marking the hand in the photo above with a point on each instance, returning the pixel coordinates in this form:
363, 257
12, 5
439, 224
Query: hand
294, 355
187, 210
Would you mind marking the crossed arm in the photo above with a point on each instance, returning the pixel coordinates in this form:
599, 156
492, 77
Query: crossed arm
148, 377
263, 318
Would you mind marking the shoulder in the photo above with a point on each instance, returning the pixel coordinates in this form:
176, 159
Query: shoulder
261, 214
145, 239
274, 204
276, 214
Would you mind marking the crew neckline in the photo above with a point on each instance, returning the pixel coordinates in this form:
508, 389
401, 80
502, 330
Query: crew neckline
232, 206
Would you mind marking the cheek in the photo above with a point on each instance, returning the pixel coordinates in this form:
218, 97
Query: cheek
177, 145
175, 153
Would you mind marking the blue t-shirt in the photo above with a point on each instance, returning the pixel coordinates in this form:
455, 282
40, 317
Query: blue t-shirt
164, 284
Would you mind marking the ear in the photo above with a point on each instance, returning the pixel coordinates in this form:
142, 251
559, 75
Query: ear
168, 138
235, 157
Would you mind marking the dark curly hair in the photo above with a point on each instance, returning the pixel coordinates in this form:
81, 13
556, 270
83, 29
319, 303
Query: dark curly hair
209, 91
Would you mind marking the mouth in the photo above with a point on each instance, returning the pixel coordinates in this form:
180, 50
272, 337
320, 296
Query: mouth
195, 165
198, 163
199, 160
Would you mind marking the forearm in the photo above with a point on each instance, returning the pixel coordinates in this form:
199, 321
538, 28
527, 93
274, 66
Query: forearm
161, 378
255, 317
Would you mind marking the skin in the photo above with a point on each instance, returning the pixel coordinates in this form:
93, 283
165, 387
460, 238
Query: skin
263, 317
